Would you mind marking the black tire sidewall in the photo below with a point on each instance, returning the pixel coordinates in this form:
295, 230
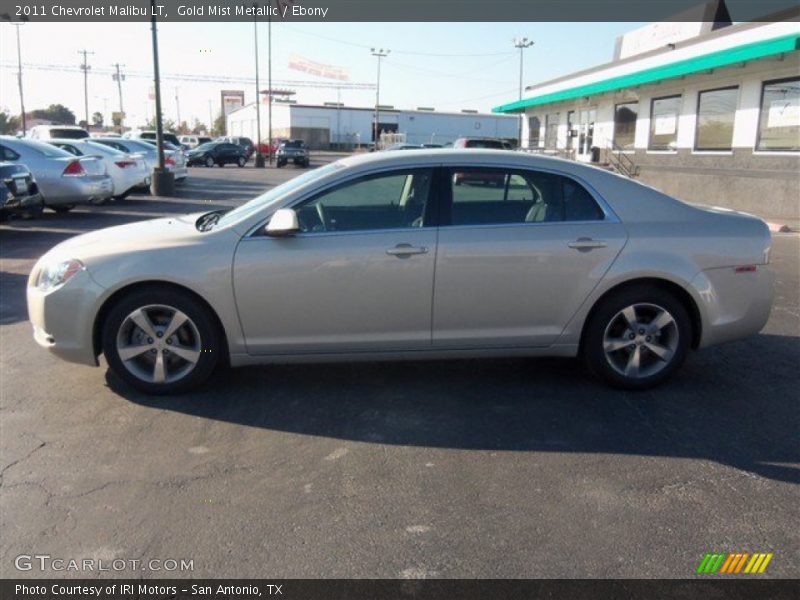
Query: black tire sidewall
592, 349
196, 311
209, 162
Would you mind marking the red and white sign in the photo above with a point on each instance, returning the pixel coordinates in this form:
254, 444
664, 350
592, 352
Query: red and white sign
300, 63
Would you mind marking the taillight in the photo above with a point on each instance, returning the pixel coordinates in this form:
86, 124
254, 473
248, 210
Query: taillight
124, 164
170, 161
74, 169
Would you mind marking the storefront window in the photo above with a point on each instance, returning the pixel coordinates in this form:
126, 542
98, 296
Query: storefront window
779, 124
534, 125
551, 131
625, 124
715, 114
664, 123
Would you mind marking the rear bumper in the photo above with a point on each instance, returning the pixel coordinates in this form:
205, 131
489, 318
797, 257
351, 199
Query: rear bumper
22, 204
79, 190
734, 305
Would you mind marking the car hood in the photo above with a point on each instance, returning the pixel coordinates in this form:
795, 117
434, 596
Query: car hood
142, 236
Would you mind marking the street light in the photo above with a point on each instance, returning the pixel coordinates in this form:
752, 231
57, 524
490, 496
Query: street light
259, 156
7, 17
521, 43
85, 67
378, 53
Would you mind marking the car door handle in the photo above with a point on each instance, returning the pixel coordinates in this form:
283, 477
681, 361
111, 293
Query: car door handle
404, 250
586, 244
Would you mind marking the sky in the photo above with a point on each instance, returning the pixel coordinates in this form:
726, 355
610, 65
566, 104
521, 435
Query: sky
448, 66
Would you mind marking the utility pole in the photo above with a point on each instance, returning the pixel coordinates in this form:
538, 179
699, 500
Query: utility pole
85, 68
178, 106
210, 119
269, 85
119, 78
379, 53
259, 156
7, 17
521, 43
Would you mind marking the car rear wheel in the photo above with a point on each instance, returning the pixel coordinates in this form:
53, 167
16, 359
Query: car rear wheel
209, 162
62, 208
161, 342
242, 161
637, 338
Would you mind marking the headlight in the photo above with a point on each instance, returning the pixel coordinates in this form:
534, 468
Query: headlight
56, 274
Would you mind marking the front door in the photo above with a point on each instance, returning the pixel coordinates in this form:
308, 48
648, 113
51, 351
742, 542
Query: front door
586, 119
519, 251
358, 277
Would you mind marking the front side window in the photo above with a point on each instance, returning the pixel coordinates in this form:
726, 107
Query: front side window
716, 110
779, 123
388, 201
625, 124
664, 123
499, 197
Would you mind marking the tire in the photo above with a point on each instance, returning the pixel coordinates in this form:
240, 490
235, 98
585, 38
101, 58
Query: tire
35, 212
280, 164
646, 355
62, 208
241, 162
210, 162
198, 338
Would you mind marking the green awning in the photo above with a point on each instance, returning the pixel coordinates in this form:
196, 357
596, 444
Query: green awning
714, 60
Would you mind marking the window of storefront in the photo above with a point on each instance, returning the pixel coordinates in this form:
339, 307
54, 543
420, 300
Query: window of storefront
716, 110
625, 124
779, 122
534, 125
664, 123
551, 131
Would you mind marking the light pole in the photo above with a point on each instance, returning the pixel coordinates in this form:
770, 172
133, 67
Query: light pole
85, 67
7, 17
269, 85
521, 43
378, 53
119, 78
259, 156
162, 182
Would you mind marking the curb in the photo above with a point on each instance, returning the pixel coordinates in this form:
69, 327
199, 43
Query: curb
778, 228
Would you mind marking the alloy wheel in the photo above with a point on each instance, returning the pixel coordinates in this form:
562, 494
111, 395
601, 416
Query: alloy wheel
158, 344
640, 340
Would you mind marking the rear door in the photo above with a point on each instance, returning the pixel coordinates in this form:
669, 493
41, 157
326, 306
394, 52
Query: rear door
518, 253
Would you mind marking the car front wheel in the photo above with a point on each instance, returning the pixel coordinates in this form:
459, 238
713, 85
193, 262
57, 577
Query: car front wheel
637, 338
242, 161
209, 162
161, 342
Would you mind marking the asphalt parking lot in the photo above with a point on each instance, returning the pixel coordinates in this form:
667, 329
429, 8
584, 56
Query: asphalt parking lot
496, 468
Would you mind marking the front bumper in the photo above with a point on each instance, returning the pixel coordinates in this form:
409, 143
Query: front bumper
735, 305
63, 318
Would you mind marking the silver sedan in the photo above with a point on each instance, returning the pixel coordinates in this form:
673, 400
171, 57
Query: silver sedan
412, 255
64, 180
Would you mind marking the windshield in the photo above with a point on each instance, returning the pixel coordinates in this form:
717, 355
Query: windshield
270, 197
490, 144
293, 144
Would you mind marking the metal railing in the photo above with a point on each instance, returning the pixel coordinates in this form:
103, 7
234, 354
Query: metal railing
620, 161
567, 153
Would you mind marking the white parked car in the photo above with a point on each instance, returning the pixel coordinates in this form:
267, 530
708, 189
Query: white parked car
175, 160
48, 132
193, 141
128, 171
562, 259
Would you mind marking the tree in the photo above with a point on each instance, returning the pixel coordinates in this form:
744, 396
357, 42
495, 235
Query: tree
97, 119
116, 118
57, 113
9, 124
199, 128
183, 128
167, 124
219, 125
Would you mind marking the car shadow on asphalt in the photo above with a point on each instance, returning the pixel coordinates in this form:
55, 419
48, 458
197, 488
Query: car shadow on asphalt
720, 407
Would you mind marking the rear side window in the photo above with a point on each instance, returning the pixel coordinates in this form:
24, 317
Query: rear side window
69, 148
500, 197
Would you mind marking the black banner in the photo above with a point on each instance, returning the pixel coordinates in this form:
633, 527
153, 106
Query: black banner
377, 589
393, 10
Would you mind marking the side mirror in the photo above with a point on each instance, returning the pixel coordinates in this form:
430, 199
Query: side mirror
284, 222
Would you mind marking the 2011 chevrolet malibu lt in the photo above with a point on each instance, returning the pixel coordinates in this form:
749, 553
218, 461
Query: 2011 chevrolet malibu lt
410, 255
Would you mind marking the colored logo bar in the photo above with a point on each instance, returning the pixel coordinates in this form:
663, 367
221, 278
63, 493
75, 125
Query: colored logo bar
734, 563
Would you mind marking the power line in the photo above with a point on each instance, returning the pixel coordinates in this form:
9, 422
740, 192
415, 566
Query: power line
435, 73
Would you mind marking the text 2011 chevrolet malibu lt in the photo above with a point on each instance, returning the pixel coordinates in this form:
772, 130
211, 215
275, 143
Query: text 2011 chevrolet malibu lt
411, 255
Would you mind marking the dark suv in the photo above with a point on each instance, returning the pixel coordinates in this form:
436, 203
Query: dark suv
490, 143
295, 151
217, 153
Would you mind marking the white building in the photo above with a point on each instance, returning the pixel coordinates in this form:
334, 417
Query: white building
709, 112
331, 126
